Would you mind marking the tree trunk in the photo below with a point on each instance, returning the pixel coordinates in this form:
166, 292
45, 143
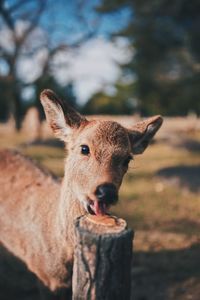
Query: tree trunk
102, 259
18, 109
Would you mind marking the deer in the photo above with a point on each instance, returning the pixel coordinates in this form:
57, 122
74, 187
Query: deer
37, 211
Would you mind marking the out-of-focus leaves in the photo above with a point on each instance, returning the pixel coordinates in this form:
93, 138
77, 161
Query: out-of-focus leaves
117, 104
166, 39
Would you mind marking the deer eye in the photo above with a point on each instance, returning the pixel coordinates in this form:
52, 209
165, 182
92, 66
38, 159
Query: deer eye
85, 150
127, 160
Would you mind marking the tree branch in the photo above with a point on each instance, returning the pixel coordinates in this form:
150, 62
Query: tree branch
6, 16
34, 22
17, 5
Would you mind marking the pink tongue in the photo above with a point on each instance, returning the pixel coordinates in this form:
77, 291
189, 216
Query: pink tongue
99, 208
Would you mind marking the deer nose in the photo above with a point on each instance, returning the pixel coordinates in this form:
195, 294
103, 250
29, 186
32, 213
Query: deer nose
107, 193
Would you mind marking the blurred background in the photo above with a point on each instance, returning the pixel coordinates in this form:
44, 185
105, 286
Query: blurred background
121, 60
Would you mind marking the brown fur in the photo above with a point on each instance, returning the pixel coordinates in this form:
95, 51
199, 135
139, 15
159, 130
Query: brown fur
37, 213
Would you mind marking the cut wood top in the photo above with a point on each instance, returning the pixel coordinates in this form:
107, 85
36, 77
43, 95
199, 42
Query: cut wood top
102, 224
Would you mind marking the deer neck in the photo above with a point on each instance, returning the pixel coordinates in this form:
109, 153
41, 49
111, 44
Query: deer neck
69, 209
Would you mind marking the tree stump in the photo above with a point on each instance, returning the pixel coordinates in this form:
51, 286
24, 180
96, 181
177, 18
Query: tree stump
102, 259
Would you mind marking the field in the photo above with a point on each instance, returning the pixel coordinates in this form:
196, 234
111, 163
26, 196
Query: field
160, 199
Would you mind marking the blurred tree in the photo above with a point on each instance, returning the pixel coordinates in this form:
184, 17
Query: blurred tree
65, 92
28, 35
117, 104
4, 101
166, 39
10, 52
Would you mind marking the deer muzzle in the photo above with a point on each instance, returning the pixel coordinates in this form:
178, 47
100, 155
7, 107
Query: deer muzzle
105, 195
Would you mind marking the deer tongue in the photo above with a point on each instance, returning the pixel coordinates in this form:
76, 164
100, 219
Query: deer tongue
99, 208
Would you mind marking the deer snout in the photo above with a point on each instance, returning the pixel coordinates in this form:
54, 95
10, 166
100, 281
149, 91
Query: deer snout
107, 193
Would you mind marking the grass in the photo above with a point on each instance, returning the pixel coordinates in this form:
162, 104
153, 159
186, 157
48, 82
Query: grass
147, 201
163, 211
151, 203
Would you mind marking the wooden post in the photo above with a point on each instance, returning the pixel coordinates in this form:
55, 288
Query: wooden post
102, 259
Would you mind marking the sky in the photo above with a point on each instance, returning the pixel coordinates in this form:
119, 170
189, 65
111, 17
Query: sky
93, 66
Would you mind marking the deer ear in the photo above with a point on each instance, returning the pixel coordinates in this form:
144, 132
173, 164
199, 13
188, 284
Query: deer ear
60, 116
142, 133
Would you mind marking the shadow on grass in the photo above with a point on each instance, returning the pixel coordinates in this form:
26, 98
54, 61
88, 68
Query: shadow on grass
165, 275
190, 145
185, 176
17, 282
162, 275
47, 142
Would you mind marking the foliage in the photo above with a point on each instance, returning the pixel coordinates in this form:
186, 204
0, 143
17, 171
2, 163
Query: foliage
164, 36
119, 103
166, 40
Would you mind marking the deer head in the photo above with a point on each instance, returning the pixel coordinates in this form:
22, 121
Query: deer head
99, 151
